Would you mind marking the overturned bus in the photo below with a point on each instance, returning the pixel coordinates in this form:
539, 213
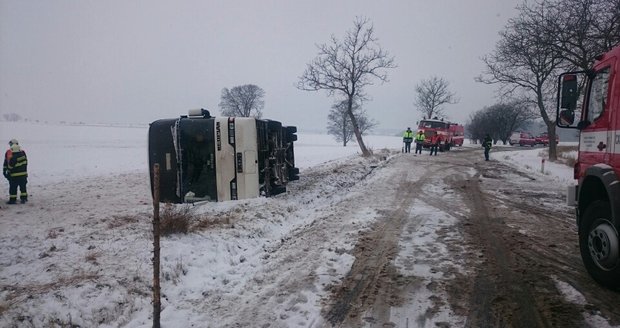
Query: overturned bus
205, 158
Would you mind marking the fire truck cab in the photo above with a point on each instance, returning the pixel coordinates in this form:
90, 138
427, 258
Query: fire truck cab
447, 131
590, 102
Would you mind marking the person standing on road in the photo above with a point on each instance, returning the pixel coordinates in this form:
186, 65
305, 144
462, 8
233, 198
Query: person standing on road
15, 170
435, 142
419, 141
487, 143
407, 139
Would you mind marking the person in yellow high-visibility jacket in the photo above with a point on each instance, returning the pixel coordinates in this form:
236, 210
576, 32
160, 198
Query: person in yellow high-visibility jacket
408, 139
419, 141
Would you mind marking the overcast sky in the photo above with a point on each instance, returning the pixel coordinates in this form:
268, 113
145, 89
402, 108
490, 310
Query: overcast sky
138, 61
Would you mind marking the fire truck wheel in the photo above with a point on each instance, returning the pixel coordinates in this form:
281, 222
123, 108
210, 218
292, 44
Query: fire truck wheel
600, 245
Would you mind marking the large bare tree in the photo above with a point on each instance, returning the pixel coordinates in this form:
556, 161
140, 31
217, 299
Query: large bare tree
525, 66
345, 67
431, 95
244, 101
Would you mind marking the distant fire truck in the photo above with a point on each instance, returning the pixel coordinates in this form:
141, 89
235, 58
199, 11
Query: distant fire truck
452, 134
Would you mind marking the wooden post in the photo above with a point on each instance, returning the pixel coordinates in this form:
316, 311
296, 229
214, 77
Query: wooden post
156, 287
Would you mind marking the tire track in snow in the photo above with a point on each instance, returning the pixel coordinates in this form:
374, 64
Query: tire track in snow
372, 284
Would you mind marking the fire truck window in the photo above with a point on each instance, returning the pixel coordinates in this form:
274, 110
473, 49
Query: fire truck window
433, 125
598, 95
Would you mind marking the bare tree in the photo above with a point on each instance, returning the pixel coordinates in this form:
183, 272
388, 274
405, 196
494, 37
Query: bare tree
579, 29
339, 124
524, 65
345, 67
244, 101
476, 126
431, 95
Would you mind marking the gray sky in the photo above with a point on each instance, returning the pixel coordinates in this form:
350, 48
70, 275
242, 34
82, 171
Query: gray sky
138, 61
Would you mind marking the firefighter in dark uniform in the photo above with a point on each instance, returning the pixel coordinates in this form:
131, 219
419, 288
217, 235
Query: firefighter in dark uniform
15, 169
487, 143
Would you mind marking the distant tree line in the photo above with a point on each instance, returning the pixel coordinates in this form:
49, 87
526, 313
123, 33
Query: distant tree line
499, 121
12, 117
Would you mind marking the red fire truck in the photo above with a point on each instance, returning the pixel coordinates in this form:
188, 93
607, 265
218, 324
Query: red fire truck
590, 102
452, 134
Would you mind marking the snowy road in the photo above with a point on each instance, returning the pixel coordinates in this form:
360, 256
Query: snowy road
462, 242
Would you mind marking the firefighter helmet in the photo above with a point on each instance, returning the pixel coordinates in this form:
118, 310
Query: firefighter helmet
13, 142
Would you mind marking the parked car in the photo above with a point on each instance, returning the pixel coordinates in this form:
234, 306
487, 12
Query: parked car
543, 139
522, 139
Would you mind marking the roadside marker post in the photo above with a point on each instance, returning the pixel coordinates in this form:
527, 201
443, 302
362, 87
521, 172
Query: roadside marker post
156, 233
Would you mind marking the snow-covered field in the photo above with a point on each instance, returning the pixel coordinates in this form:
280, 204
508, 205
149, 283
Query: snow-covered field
86, 234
